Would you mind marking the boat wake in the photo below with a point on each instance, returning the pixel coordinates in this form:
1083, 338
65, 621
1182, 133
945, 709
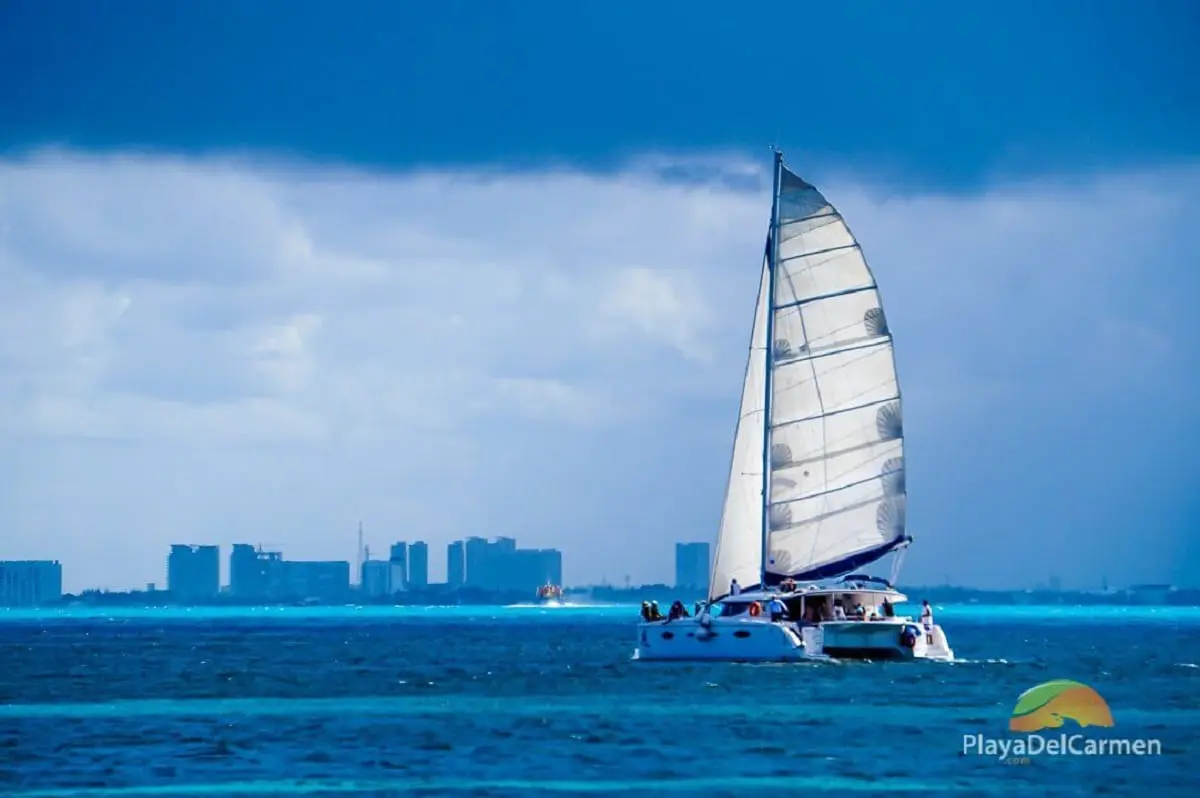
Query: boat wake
533, 605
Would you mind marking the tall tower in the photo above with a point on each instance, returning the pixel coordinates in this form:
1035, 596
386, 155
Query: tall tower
358, 555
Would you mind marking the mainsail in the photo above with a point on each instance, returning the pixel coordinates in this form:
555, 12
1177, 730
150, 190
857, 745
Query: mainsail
835, 500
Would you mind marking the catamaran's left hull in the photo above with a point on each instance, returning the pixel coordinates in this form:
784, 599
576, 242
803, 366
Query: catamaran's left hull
760, 640
687, 639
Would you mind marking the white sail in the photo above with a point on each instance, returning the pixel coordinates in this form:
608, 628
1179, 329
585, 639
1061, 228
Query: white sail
739, 541
837, 493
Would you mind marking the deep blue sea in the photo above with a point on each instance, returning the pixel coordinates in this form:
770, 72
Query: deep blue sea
526, 701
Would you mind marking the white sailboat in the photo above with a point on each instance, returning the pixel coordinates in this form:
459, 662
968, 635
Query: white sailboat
816, 488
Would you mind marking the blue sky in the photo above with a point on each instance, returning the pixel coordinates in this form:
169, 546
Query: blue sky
466, 268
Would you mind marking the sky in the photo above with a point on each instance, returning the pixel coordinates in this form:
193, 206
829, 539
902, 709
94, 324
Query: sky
456, 269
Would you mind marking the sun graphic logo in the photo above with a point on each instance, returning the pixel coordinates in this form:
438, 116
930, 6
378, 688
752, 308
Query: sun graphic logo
1049, 704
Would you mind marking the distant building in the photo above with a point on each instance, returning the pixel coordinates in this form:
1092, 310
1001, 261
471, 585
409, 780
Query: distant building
485, 561
456, 565
531, 567
255, 574
399, 566
326, 581
418, 565
499, 565
691, 566
28, 583
376, 578
194, 573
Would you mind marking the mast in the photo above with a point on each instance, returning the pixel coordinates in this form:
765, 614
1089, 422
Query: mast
773, 248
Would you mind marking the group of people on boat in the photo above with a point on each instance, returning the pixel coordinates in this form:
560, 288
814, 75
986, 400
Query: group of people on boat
816, 611
651, 612
549, 591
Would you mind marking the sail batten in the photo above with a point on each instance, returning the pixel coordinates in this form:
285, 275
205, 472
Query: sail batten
839, 248
827, 351
865, 406
846, 292
831, 491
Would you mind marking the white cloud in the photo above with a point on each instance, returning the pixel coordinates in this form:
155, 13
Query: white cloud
547, 354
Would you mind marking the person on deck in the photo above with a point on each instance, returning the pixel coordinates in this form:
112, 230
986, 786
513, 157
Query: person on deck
777, 609
927, 621
734, 588
888, 610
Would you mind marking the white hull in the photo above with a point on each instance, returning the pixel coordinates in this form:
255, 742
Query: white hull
742, 639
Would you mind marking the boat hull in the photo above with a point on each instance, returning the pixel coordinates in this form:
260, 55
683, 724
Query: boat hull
883, 639
759, 640
686, 639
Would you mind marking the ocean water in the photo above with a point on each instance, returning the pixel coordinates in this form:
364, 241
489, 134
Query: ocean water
522, 701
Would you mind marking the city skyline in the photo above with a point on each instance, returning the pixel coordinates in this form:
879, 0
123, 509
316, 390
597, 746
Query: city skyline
266, 578
393, 288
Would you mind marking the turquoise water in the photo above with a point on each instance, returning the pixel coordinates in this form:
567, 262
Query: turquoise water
522, 700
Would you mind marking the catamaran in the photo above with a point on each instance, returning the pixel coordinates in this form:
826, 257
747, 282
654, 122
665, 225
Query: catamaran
816, 489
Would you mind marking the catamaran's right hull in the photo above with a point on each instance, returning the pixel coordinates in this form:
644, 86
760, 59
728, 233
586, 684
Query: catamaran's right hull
886, 639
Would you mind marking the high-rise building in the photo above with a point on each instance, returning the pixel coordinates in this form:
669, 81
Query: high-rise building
399, 566
194, 572
486, 561
500, 565
28, 583
529, 569
475, 554
254, 573
418, 565
327, 581
691, 566
456, 564
376, 578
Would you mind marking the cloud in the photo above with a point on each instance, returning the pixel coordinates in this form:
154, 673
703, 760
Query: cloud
217, 349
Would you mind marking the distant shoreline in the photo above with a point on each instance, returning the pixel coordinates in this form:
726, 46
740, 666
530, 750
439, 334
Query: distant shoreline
1147, 596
